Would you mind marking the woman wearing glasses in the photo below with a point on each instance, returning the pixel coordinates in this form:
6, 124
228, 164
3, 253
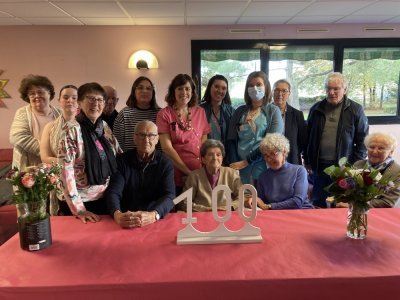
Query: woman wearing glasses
29, 121
87, 153
282, 185
141, 106
249, 124
293, 121
183, 127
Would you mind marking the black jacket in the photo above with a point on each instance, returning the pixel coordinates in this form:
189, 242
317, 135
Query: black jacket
352, 129
137, 186
296, 133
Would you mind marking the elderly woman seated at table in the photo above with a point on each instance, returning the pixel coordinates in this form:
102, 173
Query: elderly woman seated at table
204, 180
282, 185
380, 148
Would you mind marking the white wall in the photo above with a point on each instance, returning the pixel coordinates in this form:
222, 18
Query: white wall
79, 54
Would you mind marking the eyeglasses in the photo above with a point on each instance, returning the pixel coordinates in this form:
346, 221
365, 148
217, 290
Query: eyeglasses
144, 88
283, 92
93, 99
271, 155
150, 136
40, 93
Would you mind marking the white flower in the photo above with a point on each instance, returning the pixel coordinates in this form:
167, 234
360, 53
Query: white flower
378, 177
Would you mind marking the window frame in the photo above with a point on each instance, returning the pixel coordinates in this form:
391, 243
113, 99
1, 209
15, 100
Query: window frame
339, 46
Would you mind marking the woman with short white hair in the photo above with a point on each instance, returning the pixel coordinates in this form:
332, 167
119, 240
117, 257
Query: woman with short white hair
380, 147
283, 185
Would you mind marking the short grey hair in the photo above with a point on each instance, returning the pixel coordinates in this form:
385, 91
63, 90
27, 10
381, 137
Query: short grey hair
387, 137
145, 123
210, 143
283, 81
275, 142
336, 76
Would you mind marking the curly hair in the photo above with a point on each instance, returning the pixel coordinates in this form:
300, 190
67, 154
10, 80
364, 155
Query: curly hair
131, 102
35, 80
388, 138
179, 80
274, 142
207, 93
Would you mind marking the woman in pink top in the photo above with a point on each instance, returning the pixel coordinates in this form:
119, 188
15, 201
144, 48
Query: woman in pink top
183, 127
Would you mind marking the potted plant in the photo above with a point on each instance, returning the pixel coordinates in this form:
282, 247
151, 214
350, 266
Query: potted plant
31, 191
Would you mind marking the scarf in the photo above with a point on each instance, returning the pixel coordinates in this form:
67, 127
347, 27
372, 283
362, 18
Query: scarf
100, 160
383, 165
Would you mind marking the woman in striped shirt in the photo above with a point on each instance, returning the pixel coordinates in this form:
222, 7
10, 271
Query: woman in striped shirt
141, 105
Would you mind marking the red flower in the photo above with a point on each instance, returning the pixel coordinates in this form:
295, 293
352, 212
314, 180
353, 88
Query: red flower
367, 177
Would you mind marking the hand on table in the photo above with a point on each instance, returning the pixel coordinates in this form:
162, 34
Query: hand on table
88, 216
131, 219
249, 201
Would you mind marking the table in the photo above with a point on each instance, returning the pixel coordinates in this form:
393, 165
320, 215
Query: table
304, 255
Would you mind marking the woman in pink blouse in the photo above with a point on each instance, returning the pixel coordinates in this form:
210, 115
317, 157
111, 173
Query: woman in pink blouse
183, 127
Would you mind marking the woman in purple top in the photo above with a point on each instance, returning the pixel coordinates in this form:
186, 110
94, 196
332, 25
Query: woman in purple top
283, 185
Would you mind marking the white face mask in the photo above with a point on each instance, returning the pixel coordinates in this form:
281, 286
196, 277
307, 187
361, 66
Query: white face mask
256, 92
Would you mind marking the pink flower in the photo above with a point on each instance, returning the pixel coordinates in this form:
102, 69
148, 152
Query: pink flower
53, 179
343, 184
28, 180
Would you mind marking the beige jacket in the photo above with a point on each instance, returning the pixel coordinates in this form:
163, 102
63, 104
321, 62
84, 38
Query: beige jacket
26, 148
202, 191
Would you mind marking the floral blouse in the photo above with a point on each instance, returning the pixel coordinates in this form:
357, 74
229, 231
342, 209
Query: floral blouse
71, 155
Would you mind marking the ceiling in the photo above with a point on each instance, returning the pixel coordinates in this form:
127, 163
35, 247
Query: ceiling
197, 12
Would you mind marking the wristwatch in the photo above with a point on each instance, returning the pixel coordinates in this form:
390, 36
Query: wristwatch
269, 206
157, 215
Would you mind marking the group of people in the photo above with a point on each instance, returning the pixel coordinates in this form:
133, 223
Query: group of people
131, 164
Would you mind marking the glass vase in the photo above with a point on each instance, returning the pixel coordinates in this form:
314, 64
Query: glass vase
34, 226
357, 221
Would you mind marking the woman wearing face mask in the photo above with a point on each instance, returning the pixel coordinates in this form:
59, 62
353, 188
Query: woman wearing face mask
248, 126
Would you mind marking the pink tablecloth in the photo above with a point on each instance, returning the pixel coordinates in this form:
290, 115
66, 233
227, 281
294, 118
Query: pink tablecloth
304, 255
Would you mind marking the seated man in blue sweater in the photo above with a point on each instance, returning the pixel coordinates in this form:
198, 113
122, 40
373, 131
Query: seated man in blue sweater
282, 185
142, 190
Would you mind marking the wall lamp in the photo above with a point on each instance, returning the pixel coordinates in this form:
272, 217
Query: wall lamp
143, 59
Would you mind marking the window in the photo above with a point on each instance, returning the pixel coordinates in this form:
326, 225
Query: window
373, 78
372, 67
305, 67
235, 65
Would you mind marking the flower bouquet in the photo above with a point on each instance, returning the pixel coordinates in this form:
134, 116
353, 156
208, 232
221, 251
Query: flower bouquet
356, 187
31, 191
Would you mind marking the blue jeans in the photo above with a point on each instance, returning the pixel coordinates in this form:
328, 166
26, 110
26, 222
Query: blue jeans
320, 181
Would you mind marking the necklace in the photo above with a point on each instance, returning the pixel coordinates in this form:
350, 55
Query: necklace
185, 126
253, 114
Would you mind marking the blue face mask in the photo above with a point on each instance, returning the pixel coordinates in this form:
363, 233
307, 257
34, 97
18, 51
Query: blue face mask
256, 92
